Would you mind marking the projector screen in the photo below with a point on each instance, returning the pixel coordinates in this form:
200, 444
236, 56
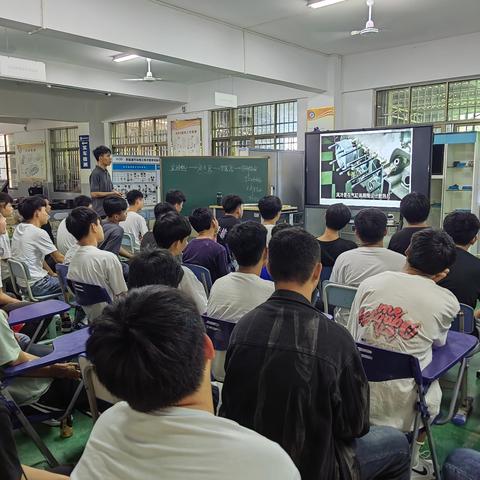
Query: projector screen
374, 168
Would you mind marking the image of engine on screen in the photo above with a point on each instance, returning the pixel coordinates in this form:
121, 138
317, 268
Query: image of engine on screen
366, 165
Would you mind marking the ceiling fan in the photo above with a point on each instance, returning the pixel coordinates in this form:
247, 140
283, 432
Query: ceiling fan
148, 76
370, 25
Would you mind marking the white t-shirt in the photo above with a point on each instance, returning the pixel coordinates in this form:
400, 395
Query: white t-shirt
236, 294
30, 244
409, 314
97, 267
178, 444
70, 253
5, 253
192, 286
231, 297
135, 225
354, 266
269, 232
65, 239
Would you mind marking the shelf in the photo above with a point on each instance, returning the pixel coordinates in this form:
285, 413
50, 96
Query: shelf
460, 168
458, 191
437, 177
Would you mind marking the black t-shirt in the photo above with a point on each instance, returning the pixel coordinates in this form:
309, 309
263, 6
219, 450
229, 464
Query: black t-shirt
401, 240
9, 464
148, 241
332, 250
464, 278
225, 224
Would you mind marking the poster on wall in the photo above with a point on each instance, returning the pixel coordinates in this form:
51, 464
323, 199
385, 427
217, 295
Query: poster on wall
31, 161
322, 118
186, 137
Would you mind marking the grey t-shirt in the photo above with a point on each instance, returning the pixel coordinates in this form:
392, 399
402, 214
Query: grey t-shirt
100, 181
113, 235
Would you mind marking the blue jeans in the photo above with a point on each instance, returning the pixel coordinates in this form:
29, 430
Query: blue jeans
46, 286
462, 464
383, 453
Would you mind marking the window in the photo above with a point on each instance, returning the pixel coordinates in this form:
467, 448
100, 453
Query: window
65, 156
7, 153
443, 104
269, 126
145, 137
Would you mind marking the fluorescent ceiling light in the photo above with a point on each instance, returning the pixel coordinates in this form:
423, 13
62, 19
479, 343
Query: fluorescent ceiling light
124, 57
322, 3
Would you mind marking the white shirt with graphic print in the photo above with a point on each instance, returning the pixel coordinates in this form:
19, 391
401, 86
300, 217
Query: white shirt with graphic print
409, 314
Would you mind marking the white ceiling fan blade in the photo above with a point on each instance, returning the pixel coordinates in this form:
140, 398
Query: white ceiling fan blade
133, 79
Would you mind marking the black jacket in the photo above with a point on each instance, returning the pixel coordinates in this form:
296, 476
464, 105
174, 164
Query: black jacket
297, 378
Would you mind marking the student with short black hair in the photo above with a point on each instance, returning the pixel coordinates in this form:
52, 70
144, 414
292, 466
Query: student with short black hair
463, 279
371, 258
89, 264
6, 211
176, 199
233, 212
154, 267
116, 211
171, 231
270, 208
135, 224
204, 249
296, 377
407, 312
148, 240
165, 421
65, 240
101, 185
332, 246
414, 208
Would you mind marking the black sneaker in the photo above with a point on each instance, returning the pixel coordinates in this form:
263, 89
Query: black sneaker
66, 325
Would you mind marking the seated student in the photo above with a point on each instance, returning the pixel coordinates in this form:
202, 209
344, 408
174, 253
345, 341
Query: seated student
171, 231
407, 312
270, 208
237, 293
6, 300
148, 240
204, 249
462, 464
414, 208
296, 377
277, 228
90, 264
30, 244
116, 211
371, 258
65, 240
47, 226
154, 267
163, 424
331, 245
463, 280
176, 199
233, 212
10, 468
135, 224
6, 211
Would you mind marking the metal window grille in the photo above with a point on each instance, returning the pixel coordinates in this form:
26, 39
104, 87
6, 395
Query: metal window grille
65, 156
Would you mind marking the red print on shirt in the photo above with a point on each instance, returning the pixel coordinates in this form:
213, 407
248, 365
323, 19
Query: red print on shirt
387, 321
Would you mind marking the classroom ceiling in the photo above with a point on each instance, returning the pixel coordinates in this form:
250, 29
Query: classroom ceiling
328, 29
43, 47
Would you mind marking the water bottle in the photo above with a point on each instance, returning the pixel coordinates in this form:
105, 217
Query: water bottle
219, 198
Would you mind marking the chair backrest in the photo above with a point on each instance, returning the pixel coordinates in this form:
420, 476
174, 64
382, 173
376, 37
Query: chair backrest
219, 331
381, 365
128, 241
326, 273
335, 295
202, 274
62, 272
464, 322
87, 295
18, 270
265, 275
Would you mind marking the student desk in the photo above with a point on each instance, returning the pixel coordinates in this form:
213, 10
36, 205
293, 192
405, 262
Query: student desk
290, 214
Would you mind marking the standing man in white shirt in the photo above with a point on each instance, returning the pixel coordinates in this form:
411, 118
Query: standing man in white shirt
65, 240
90, 264
371, 258
407, 312
237, 293
270, 208
165, 425
135, 224
171, 231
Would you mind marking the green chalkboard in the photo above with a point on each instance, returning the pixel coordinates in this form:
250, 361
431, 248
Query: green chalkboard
200, 178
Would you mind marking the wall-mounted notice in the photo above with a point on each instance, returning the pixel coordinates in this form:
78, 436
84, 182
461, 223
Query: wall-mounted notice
84, 143
186, 137
322, 118
31, 161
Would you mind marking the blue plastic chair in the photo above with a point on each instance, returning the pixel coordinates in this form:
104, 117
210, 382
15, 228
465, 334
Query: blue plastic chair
335, 295
382, 365
465, 320
326, 274
202, 274
87, 295
265, 275
64, 348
